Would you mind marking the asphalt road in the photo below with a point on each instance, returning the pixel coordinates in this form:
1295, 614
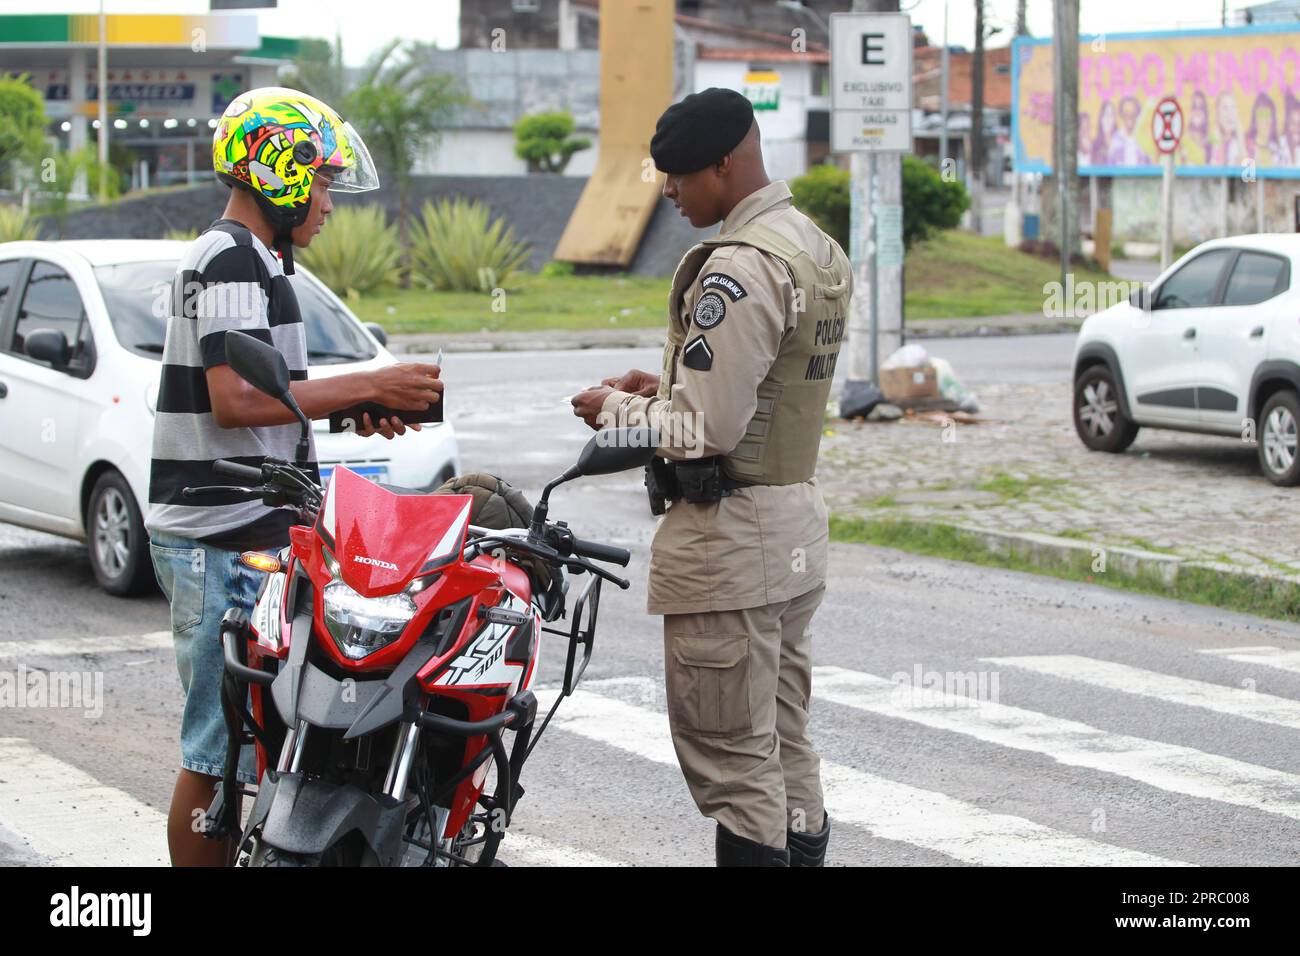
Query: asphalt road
1108, 729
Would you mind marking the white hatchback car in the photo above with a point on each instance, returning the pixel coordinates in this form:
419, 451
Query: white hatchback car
77, 403
1212, 346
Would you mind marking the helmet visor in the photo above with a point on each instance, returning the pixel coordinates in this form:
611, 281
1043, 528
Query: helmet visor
360, 176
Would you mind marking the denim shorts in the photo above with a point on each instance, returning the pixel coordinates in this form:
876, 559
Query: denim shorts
202, 583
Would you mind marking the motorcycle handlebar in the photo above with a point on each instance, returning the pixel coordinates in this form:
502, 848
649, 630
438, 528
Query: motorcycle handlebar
601, 552
245, 474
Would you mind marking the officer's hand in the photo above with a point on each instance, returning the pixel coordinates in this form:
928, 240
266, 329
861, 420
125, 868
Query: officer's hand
587, 405
636, 382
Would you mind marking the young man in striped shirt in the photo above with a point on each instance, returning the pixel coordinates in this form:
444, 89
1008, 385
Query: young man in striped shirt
281, 151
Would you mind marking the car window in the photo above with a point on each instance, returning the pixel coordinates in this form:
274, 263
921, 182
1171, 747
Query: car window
1195, 283
8, 276
138, 297
51, 301
332, 336
1255, 277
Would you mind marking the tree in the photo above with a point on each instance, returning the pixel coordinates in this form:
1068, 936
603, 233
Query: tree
22, 123
399, 110
929, 202
57, 175
547, 142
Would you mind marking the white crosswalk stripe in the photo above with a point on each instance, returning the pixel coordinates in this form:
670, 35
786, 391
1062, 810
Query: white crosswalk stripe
65, 646
1233, 701
1279, 657
1170, 767
888, 809
69, 817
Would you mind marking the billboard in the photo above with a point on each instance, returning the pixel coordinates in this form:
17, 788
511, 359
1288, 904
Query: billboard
1239, 90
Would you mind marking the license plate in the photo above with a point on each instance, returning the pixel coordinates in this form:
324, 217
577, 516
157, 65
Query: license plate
372, 472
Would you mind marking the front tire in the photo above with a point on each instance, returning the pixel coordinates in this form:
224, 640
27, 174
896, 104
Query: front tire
1098, 418
1279, 424
119, 545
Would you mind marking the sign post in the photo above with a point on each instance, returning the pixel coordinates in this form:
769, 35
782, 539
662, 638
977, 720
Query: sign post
1167, 131
871, 112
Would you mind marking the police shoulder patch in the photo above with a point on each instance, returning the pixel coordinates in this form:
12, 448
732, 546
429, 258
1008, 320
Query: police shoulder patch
717, 282
710, 310
697, 354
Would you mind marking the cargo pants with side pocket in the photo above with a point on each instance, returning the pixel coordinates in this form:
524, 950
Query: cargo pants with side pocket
738, 686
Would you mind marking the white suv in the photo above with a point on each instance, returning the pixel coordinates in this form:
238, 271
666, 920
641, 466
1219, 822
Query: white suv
77, 399
1213, 346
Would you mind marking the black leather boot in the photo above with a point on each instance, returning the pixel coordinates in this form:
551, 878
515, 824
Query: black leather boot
732, 850
809, 849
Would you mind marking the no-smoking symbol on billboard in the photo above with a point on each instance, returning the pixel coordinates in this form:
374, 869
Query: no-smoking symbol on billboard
1167, 125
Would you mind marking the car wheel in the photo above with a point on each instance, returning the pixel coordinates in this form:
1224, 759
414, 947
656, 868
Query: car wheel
119, 546
1278, 457
1098, 418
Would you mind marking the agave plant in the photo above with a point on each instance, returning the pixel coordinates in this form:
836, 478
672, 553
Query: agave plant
356, 252
457, 245
15, 224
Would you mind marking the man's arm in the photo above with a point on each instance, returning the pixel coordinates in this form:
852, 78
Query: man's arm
237, 404
722, 364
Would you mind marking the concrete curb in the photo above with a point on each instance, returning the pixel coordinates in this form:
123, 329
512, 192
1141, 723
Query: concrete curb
1052, 552
429, 342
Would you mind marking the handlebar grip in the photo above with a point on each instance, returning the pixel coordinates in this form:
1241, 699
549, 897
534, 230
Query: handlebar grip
244, 474
601, 552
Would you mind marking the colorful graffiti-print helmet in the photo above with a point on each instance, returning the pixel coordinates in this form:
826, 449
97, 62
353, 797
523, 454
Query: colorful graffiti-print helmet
272, 141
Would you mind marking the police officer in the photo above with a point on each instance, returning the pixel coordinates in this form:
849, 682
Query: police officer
738, 563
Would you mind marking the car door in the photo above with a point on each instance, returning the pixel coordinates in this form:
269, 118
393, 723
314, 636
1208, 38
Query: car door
39, 411
1159, 359
1232, 337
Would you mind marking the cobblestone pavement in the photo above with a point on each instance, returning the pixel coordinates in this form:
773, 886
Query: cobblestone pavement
1024, 470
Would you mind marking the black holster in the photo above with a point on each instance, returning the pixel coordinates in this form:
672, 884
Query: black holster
701, 481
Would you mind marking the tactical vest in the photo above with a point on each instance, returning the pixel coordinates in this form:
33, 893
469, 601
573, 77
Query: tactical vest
781, 442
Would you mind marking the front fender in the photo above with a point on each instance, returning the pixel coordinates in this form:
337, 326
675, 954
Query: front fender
307, 816
1089, 353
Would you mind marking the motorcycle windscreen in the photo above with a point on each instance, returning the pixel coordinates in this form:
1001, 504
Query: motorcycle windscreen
381, 539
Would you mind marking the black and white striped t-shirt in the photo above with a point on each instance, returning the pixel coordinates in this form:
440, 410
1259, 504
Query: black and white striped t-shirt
227, 280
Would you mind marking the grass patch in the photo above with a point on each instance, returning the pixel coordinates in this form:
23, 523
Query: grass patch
1273, 599
960, 275
533, 303
1010, 488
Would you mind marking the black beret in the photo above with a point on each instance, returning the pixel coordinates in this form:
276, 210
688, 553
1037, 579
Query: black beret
700, 130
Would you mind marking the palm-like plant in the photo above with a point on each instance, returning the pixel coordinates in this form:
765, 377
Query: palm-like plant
355, 253
15, 224
457, 245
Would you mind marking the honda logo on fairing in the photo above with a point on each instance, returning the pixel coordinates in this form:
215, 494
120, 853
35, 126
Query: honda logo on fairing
375, 562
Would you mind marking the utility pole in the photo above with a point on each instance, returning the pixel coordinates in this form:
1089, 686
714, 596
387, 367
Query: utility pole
1065, 39
1022, 25
977, 123
943, 93
876, 182
103, 104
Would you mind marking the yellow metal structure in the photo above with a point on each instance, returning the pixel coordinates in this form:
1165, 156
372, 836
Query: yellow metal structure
636, 86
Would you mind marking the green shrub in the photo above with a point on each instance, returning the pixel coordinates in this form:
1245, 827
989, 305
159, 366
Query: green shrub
823, 195
15, 224
181, 235
547, 142
456, 245
555, 269
929, 203
356, 251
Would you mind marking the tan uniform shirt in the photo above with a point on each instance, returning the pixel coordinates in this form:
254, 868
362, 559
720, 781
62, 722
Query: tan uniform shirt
763, 544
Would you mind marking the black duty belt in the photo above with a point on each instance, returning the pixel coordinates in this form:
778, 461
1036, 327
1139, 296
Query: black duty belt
700, 480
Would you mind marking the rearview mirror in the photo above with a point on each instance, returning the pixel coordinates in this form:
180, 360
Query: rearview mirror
613, 450
48, 345
257, 363
1140, 298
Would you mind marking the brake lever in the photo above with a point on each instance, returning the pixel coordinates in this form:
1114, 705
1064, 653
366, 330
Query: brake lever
597, 570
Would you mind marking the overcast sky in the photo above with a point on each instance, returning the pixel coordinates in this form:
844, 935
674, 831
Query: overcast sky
366, 24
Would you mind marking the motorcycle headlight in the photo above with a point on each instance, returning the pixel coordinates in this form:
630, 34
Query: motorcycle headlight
362, 625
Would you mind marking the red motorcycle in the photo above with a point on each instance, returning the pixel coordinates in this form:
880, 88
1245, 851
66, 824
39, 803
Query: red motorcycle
385, 675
